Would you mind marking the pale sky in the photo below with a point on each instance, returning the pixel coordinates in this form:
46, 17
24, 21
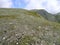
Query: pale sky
52, 6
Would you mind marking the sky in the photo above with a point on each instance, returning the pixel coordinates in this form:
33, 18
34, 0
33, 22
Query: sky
52, 6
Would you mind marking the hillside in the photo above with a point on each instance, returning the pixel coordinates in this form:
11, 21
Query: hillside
49, 16
23, 27
57, 17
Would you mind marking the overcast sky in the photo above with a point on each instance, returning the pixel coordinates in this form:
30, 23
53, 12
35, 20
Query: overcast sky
52, 6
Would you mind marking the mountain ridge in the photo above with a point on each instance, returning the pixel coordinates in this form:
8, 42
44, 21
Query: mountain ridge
49, 16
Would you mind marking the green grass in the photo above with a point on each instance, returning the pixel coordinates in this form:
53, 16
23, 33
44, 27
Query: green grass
18, 21
26, 40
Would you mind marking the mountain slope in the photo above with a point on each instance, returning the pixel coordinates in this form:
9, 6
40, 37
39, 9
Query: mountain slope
49, 16
23, 27
57, 17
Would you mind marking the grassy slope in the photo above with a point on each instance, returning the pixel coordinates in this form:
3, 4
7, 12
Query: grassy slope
49, 16
22, 27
